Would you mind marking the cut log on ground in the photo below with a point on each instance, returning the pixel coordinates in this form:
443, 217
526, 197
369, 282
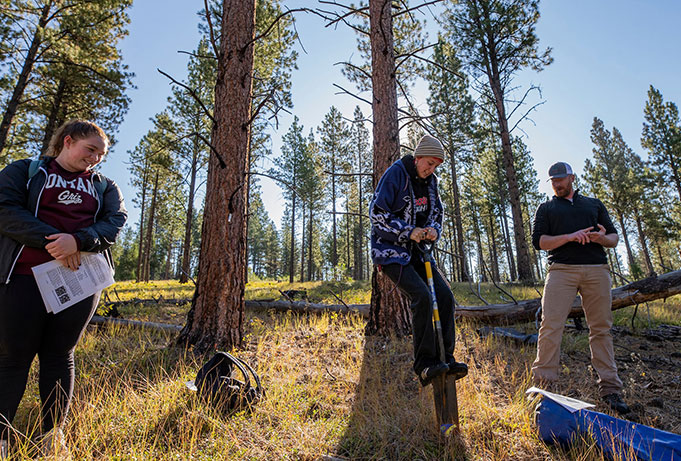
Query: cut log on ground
99, 320
649, 289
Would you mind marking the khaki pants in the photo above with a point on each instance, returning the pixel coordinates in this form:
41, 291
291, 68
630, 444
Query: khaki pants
562, 283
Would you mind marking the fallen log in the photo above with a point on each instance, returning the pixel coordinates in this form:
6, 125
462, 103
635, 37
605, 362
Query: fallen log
302, 306
99, 320
649, 289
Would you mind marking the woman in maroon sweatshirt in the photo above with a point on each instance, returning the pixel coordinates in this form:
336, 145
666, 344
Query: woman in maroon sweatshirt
51, 208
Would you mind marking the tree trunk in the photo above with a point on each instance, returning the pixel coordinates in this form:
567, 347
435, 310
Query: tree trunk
22, 80
140, 248
360, 259
169, 255
644, 246
630, 254
150, 232
187, 245
309, 246
53, 118
522, 250
292, 250
215, 319
507, 244
334, 249
460, 248
302, 248
492, 241
481, 257
390, 312
347, 240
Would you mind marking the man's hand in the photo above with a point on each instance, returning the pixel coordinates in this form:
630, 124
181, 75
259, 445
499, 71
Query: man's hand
597, 236
64, 248
581, 236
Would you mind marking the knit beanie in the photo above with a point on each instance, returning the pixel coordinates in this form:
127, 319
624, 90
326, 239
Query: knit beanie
430, 147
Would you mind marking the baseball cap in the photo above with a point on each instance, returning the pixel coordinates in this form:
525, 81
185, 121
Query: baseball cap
560, 170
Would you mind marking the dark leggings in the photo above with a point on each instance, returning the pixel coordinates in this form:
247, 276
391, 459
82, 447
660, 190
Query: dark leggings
26, 329
411, 279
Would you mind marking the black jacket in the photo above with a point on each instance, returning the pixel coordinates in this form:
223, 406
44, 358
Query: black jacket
561, 216
19, 225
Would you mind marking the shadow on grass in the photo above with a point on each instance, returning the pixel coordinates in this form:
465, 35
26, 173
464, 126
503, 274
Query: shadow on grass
392, 416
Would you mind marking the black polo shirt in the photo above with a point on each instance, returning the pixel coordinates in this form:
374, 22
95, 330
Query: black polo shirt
561, 216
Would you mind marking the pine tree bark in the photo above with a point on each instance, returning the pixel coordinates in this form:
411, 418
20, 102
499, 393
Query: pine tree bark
460, 248
494, 75
187, 244
146, 260
644, 246
302, 248
140, 247
334, 249
215, 319
630, 254
390, 312
292, 249
309, 246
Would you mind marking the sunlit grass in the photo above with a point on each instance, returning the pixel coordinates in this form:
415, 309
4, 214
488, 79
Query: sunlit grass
330, 391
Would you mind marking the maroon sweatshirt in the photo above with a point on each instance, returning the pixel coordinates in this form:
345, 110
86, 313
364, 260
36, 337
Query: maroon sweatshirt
68, 202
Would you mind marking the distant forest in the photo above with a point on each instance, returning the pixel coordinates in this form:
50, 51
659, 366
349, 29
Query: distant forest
60, 60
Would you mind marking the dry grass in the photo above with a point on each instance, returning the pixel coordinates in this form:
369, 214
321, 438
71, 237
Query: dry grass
331, 391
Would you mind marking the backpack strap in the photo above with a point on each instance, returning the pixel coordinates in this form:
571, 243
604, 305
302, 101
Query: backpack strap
34, 167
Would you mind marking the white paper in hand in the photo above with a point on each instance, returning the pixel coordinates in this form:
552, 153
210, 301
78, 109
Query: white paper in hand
61, 287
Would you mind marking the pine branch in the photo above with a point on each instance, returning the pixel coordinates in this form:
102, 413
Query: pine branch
191, 92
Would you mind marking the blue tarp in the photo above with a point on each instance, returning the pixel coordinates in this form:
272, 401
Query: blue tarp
559, 422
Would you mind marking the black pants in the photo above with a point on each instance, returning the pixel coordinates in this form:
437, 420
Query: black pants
27, 329
412, 281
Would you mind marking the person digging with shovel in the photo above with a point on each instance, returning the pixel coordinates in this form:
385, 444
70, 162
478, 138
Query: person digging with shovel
405, 211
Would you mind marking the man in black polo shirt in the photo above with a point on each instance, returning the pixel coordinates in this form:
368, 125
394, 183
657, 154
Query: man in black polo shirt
574, 229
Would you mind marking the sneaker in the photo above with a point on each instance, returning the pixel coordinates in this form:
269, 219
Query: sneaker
615, 402
4, 450
53, 445
428, 373
457, 369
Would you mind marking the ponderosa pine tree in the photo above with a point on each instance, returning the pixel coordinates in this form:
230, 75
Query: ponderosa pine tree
662, 137
215, 318
496, 39
333, 143
389, 313
607, 178
453, 119
68, 42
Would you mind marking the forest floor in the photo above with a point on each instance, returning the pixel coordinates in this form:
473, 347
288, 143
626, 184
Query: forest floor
333, 393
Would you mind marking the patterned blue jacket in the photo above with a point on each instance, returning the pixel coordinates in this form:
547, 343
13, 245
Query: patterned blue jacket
392, 215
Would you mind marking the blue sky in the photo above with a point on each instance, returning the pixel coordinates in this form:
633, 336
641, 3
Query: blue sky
606, 54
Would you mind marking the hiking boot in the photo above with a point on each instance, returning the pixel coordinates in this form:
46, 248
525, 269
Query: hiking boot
615, 402
428, 373
4, 450
457, 369
53, 445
